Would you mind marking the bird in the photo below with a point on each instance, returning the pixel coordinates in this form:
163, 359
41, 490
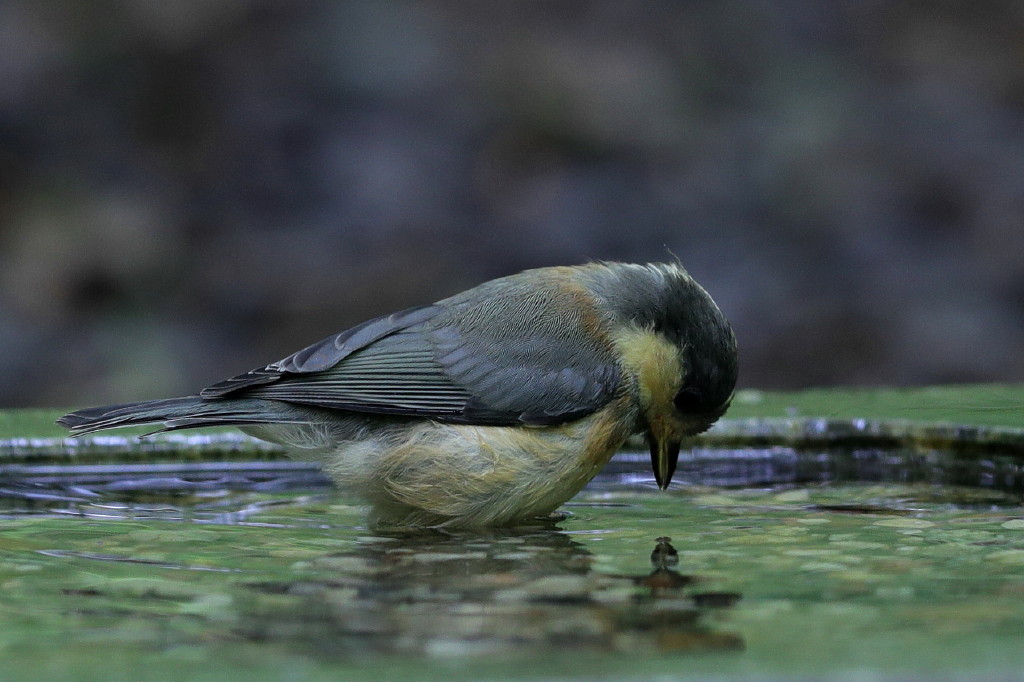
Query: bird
491, 407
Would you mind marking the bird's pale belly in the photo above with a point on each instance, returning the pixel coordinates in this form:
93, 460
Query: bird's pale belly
427, 473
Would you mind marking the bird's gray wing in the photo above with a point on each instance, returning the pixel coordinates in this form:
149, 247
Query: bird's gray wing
530, 351
494, 357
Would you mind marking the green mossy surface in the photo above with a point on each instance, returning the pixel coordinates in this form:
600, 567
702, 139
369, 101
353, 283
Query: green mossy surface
978, 404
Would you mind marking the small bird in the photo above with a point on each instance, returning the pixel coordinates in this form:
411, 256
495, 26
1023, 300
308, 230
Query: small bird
491, 407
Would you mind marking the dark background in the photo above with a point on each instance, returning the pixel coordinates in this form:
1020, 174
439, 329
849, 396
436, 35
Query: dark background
189, 189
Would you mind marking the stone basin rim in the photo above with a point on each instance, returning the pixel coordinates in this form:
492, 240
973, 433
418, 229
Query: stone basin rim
799, 433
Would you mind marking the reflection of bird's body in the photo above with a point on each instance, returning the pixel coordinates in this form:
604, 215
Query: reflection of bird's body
491, 406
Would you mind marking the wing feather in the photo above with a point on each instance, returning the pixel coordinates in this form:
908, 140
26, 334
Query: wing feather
512, 351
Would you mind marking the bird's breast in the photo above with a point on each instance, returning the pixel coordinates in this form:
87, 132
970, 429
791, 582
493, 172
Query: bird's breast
489, 475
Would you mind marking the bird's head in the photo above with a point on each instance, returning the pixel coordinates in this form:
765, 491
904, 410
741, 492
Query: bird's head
680, 352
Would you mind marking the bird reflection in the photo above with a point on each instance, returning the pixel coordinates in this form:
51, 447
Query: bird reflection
472, 594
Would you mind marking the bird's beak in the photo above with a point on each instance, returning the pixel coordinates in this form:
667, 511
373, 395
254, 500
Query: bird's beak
664, 456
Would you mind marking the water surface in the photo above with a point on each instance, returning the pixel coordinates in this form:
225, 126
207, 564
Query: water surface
757, 562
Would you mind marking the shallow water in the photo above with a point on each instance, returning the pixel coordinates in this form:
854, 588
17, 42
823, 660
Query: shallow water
755, 563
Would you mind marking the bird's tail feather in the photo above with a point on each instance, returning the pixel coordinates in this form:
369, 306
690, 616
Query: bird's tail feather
181, 413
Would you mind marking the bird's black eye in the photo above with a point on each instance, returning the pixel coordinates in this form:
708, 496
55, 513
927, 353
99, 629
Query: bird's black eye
688, 400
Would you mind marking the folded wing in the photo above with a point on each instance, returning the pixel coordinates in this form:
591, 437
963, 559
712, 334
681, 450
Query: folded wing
512, 354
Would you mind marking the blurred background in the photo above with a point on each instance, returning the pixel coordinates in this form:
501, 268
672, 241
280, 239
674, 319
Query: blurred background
189, 189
